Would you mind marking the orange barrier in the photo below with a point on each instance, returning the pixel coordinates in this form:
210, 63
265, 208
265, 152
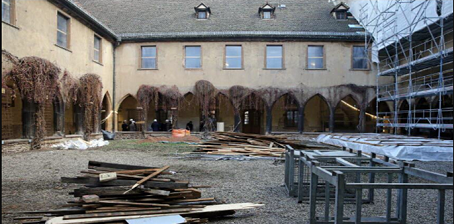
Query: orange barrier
178, 133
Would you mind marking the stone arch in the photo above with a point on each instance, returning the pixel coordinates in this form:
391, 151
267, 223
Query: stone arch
317, 112
346, 115
225, 111
59, 114
355, 97
285, 111
253, 114
127, 109
384, 113
402, 103
270, 95
12, 109
123, 98
106, 112
189, 111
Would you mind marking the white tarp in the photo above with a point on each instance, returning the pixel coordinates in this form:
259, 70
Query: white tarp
420, 153
81, 144
385, 18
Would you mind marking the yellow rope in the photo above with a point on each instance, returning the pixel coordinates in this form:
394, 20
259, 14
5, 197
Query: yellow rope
354, 108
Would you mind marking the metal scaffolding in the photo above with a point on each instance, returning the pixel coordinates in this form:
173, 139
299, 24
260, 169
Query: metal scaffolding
326, 178
416, 49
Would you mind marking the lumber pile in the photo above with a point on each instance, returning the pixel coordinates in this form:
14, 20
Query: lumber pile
236, 144
114, 193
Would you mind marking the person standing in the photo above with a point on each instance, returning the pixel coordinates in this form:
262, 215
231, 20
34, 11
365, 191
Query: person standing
168, 125
125, 126
132, 125
155, 125
189, 126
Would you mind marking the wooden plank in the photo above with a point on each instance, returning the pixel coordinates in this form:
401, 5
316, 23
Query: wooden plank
154, 174
208, 209
118, 166
91, 181
113, 214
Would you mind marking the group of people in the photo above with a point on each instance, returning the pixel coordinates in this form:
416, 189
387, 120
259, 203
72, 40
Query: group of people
156, 126
129, 126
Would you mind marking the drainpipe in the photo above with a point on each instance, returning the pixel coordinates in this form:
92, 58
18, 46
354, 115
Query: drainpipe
114, 118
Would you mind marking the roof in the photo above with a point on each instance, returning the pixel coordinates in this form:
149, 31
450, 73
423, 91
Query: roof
86, 18
133, 18
343, 5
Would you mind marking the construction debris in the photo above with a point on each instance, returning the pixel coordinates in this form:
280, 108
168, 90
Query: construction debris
120, 193
240, 144
81, 144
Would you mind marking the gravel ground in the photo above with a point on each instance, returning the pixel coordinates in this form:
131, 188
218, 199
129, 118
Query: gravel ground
31, 181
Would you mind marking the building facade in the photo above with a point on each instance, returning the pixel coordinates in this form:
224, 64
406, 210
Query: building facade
250, 66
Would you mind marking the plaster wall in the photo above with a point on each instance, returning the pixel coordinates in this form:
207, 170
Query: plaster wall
171, 70
34, 33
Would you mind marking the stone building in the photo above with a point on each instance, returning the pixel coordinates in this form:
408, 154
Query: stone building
256, 66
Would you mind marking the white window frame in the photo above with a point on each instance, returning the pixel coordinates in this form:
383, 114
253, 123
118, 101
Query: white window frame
205, 12
366, 58
273, 57
63, 32
150, 57
96, 37
192, 57
230, 57
322, 57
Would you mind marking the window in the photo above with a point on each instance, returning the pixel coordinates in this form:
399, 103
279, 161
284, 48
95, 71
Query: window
267, 11
6, 11
202, 15
62, 31
340, 11
97, 49
341, 15
274, 59
267, 15
291, 119
316, 57
233, 57
193, 57
360, 60
202, 11
149, 57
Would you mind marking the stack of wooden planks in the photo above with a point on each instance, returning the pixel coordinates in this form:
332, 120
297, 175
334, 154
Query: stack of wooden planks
236, 144
115, 193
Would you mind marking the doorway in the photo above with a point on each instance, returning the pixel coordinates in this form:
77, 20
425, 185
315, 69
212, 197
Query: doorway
252, 120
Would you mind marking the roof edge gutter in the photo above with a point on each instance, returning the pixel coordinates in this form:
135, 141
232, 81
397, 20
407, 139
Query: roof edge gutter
84, 14
244, 34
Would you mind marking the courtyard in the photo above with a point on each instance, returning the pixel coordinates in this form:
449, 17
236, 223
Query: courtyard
31, 181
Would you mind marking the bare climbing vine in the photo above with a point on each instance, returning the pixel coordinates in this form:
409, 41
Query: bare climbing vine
90, 100
37, 81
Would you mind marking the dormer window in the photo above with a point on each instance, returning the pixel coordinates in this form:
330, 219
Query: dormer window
202, 11
340, 11
267, 11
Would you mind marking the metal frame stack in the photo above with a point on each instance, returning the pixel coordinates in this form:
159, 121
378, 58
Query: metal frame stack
411, 57
337, 184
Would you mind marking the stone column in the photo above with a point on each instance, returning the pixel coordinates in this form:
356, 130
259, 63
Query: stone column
79, 119
28, 119
300, 119
362, 120
269, 120
237, 120
332, 120
59, 113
